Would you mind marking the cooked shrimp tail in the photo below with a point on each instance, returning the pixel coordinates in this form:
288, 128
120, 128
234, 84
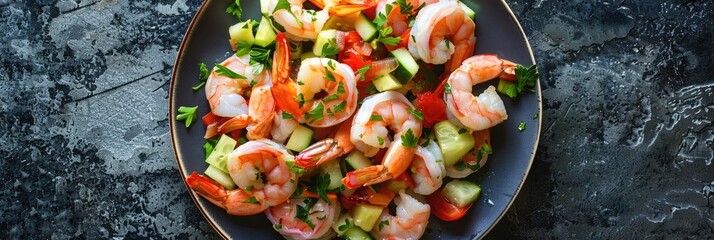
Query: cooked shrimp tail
327, 149
235, 201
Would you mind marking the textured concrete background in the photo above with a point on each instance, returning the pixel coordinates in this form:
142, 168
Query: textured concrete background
626, 148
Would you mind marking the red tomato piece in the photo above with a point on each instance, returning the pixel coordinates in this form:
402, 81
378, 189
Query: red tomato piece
443, 209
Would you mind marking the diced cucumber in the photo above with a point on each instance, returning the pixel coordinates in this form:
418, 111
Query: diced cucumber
387, 82
396, 186
341, 23
357, 160
355, 233
264, 7
265, 36
461, 193
220, 177
408, 67
295, 49
366, 29
365, 215
300, 138
343, 223
241, 32
328, 37
453, 144
469, 12
307, 55
332, 168
220, 153
506, 87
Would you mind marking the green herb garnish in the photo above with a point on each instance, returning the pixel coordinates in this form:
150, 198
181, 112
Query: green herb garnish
187, 114
408, 139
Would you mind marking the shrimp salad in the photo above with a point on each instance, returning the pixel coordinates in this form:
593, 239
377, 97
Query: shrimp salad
351, 118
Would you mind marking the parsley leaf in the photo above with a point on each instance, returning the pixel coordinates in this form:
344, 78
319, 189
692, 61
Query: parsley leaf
329, 76
203, 76
294, 168
252, 200
522, 126
345, 226
341, 88
447, 89
408, 139
300, 99
259, 59
384, 37
331, 97
224, 71
375, 117
243, 48
462, 131
329, 48
380, 140
303, 212
235, 9
319, 187
284, 4
525, 81
382, 224
287, 116
417, 113
209, 145
340, 107
316, 113
277, 227
362, 71
187, 114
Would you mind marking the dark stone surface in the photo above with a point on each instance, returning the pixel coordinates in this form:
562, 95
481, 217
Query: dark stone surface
626, 147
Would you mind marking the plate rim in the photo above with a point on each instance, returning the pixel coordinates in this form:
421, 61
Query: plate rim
201, 208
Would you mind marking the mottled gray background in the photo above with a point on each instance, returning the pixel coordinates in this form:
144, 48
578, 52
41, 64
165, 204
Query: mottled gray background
626, 148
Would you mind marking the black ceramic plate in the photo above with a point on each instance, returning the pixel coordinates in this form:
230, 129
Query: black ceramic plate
497, 32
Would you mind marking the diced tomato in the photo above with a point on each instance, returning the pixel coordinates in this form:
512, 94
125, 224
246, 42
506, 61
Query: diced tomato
371, 12
353, 54
210, 118
443, 209
236, 134
347, 202
432, 106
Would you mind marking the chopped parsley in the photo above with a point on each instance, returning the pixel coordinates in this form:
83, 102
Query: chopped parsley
253, 83
209, 146
300, 99
375, 117
340, 107
341, 88
303, 212
329, 48
329, 76
294, 168
249, 188
346, 226
284, 4
243, 48
408, 139
447, 89
382, 224
535, 116
522, 126
287, 115
331, 97
202, 76
277, 227
316, 113
525, 81
417, 113
235, 9
187, 114
380, 140
384, 33
319, 187
224, 71
259, 59
362, 71
242, 140
462, 131
252, 200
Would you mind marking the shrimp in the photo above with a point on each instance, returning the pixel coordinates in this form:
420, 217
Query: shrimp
260, 171
441, 30
299, 24
486, 110
428, 169
474, 159
369, 134
325, 93
282, 127
226, 98
327, 149
304, 218
395, 18
409, 223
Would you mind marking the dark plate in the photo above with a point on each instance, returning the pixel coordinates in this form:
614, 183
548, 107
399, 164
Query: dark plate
498, 32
